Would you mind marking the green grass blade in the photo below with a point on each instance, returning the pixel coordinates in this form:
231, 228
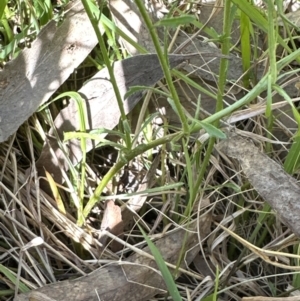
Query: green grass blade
94, 15
252, 12
210, 129
272, 38
164, 64
2, 7
292, 161
166, 274
12, 278
109, 24
82, 114
175, 21
245, 45
258, 19
126, 157
289, 100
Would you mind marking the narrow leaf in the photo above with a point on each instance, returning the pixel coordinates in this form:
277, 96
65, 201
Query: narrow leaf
172, 288
175, 21
210, 129
57, 197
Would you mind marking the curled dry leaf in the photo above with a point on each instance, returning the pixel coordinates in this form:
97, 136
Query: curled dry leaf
268, 178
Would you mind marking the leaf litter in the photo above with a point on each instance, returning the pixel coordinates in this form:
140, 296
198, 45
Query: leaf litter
267, 177
58, 224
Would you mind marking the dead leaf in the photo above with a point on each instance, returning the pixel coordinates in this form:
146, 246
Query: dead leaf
203, 266
133, 279
267, 177
31, 78
59, 202
205, 65
35, 296
112, 222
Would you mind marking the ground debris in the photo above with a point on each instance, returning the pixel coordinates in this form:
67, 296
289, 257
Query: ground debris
267, 177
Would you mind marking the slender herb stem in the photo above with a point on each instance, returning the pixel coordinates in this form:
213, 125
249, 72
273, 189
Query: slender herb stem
94, 20
164, 64
122, 162
219, 105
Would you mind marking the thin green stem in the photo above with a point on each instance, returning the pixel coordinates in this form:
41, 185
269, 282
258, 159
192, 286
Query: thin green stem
272, 38
94, 21
219, 105
123, 161
164, 64
224, 61
256, 91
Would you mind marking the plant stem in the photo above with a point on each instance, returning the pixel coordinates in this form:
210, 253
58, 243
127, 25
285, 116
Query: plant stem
94, 20
219, 104
164, 64
113, 171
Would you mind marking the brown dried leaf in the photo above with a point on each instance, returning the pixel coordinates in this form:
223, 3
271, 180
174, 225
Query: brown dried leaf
205, 65
29, 80
202, 266
268, 178
112, 222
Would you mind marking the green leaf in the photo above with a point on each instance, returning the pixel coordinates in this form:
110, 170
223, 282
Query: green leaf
2, 7
101, 141
292, 161
12, 48
43, 11
245, 45
175, 21
288, 59
208, 30
253, 13
167, 276
12, 278
210, 129
259, 20
107, 22
289, 100
272, 38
